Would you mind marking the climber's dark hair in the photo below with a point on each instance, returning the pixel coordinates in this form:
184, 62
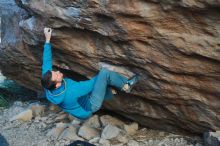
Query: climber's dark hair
47, 82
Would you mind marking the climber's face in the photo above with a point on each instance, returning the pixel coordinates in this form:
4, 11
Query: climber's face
57, 76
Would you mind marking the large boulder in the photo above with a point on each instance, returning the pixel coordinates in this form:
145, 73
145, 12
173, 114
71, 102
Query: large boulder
173, 45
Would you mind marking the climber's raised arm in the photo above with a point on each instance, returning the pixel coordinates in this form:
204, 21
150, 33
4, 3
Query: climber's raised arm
47, 53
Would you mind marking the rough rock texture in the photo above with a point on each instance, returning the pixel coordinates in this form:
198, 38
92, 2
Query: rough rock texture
212, 138
45, 130
174, 46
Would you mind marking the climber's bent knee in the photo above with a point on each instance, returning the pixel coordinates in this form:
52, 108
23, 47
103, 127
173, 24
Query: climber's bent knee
104, 70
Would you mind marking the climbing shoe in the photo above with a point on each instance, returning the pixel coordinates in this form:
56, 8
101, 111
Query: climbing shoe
130, 83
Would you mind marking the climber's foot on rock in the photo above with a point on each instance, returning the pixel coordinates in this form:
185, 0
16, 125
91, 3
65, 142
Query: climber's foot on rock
130, 83
114, 92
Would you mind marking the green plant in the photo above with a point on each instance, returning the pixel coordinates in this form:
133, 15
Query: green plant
3, 101
5, 97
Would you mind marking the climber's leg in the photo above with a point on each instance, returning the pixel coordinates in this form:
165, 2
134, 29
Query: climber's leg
108, 94
104, 79
119, 69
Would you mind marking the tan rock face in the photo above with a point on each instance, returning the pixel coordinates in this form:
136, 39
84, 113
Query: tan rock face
173, 45
24, 116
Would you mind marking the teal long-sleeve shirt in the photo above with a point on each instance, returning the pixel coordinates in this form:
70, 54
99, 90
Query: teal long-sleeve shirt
68, 94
